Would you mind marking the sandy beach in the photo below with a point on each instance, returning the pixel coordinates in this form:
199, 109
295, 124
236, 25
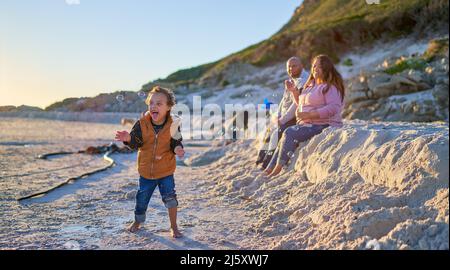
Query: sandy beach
93, 213
366, 186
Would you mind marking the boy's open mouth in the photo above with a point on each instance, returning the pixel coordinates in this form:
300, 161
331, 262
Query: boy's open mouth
154, 114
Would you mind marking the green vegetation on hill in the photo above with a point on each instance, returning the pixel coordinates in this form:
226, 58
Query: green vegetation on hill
406, 64
61, 104
21, 108
188, 75
332, 27
436, 48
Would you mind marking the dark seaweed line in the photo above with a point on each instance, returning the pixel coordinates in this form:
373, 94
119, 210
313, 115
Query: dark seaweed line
105, 157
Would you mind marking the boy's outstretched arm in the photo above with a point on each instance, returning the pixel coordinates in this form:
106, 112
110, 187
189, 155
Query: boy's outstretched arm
136, 140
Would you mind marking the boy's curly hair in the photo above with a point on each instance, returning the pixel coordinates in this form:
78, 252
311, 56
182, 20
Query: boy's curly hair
158, 89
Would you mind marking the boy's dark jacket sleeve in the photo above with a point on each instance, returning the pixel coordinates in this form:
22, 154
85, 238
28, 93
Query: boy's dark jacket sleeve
136, 137
176, 142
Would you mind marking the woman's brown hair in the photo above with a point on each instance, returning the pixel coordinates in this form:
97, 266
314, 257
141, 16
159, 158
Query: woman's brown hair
330, 75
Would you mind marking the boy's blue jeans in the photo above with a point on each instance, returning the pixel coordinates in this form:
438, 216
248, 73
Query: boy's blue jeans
166, 187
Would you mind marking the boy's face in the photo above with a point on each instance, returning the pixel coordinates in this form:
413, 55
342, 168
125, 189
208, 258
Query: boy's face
158, 107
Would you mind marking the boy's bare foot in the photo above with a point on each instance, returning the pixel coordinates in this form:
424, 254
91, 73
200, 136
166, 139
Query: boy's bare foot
175, 233
134, 227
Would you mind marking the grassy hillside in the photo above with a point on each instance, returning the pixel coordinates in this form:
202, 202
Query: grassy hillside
332, 27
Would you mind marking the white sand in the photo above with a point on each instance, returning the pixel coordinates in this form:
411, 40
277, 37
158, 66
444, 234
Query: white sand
368, 185
382, 182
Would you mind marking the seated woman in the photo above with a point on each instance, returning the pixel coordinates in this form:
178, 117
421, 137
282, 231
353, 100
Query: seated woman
319, 106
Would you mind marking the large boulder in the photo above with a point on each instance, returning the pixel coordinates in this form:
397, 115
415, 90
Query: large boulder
413, 88
357, 90
383, 85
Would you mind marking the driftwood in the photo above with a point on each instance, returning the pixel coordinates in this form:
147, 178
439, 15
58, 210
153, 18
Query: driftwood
109, 149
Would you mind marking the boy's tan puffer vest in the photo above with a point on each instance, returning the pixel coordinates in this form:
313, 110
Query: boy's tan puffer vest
155, 158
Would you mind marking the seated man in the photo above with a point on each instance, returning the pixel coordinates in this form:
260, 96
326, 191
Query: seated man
286, 111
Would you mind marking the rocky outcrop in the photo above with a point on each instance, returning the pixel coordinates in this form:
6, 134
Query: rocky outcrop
403, 89
123, 101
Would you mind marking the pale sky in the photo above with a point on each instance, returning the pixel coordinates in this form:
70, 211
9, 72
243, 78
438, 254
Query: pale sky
54, 49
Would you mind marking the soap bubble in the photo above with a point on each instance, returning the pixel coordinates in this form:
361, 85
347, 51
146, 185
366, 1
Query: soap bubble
291, 154
142, 94
120, 98
274, 95
72, 2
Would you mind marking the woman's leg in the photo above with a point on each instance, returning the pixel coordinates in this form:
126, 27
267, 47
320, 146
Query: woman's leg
274, 163
273, 143
291, 139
